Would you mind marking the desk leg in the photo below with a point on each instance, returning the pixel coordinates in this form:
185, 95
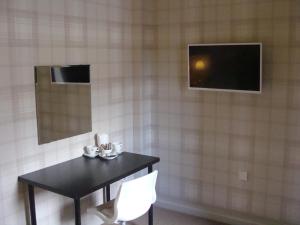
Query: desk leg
150, 212
107, 191
32, 204
77, 211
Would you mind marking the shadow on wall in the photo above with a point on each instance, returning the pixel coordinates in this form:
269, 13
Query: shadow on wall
67, 210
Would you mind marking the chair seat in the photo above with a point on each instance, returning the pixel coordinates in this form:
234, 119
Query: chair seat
134, 199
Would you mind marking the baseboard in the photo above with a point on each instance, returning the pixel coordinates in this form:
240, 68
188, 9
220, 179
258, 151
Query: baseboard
213, 214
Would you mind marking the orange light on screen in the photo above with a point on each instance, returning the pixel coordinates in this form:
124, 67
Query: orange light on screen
200, 64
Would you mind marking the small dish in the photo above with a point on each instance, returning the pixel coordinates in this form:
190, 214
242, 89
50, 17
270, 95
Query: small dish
106, 151
91, 155
108, 156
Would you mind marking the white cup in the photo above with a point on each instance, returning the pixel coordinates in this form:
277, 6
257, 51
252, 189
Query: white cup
90, 149
117, 147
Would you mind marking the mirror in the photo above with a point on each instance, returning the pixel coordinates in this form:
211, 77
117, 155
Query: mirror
63, 101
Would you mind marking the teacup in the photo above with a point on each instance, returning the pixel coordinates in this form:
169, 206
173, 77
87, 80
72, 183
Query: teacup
90, 149
117, 147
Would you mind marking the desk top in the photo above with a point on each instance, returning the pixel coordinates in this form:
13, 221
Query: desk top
80, 176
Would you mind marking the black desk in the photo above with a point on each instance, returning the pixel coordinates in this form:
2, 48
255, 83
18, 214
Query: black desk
79, 177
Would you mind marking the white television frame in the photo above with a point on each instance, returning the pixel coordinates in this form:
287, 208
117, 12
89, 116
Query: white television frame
226, 90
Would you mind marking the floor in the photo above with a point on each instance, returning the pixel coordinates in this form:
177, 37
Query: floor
166, 217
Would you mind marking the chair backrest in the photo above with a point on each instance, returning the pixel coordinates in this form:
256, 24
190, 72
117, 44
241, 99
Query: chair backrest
135, 197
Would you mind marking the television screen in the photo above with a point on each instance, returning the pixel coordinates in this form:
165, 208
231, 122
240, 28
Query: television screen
70, 74
227, 67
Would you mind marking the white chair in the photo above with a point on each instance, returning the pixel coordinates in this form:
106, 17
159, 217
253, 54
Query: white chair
134, 199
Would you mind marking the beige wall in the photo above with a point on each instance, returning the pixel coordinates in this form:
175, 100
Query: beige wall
108, 35
205, 138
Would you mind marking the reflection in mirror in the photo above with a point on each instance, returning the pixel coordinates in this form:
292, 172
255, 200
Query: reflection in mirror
63, 101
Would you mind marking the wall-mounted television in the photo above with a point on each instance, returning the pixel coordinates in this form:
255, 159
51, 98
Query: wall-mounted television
234, 67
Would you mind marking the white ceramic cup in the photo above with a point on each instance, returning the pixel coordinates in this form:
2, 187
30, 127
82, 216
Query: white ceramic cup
117, 147
90, 149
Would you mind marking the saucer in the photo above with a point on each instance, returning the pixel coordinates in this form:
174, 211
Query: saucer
108, 156
90, 155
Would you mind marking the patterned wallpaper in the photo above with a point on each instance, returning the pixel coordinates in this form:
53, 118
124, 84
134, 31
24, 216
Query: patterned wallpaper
108, 35
205, 138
